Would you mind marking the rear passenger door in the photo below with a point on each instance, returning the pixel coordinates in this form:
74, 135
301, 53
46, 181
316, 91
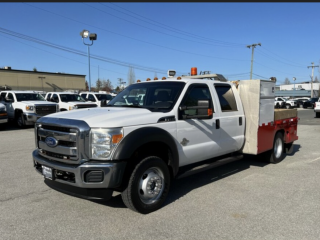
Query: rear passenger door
231, 119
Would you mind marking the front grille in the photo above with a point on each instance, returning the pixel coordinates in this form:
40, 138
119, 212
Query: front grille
44, 110
86, 105
65, 147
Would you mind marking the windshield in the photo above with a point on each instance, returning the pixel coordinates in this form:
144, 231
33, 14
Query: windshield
71, 98
103, 97
29, 97
155, 96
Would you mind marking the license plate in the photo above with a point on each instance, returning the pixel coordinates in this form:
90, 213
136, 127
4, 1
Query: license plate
47, 172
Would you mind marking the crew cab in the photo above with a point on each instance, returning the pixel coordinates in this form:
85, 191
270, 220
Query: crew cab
137, 147
317, 108
68, 100
26, 107
101, 99
3, 113
279, 102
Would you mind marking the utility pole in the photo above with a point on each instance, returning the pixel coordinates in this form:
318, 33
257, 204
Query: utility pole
312, 78
252, 46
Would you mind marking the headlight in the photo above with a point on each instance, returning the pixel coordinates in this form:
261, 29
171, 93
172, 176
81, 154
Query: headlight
103, 142
29, 108
73, 107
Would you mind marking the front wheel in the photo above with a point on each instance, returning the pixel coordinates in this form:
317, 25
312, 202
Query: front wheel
287, 106
148, 186
20, 120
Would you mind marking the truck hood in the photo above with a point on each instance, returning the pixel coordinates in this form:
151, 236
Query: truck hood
38, 103
111, 116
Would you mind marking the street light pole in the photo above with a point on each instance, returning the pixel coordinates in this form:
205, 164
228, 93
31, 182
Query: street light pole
253, 46
84, 34
312, 78
294, 86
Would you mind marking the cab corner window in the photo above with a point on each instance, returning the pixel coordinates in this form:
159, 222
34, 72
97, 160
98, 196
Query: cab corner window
226, 98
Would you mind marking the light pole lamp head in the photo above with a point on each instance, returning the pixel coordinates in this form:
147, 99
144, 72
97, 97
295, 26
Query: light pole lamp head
293, 78
84, 33
93, 36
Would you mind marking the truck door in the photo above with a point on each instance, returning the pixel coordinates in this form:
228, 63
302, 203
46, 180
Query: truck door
9, 105
231, 119
198, 138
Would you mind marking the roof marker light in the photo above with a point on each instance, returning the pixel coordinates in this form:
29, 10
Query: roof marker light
164, 78
148, 79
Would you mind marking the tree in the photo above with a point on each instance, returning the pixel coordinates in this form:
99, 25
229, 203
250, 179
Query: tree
98, 84
87, 85
287, 81
35, 69
106, 85
131, 76
118, 89
316, 79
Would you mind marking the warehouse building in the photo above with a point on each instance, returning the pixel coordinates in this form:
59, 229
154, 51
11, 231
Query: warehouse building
40, 81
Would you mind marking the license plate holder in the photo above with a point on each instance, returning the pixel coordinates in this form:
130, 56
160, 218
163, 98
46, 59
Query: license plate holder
47, 172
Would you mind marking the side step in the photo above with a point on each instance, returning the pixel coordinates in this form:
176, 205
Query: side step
208, 166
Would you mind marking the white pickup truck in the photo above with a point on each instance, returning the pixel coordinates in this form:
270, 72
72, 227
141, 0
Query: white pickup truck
288, 103
26, 107
68, 100
317, 108
101, 99
138, 148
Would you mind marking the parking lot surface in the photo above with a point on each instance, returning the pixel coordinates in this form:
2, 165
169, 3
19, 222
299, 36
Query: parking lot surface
248, 199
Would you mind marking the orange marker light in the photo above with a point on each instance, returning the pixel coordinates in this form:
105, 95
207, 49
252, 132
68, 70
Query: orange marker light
194, 71
178, 78
209, 112
116, 138
155, 78
164, 78
138, 81
148, 79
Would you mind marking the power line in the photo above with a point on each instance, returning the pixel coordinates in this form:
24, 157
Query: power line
122, 35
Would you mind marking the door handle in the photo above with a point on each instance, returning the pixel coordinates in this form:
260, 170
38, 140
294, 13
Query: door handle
217, 123
240, 121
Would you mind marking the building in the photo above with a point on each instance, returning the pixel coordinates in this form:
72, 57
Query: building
297, 90
40, 81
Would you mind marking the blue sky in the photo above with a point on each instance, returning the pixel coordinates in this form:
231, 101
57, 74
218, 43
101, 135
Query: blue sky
155, 37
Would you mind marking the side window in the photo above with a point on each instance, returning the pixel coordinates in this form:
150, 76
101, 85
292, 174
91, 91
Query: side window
55, 97
48, 97
10, 96
226, 98
83, 95
194, 93
2, 96
91, 98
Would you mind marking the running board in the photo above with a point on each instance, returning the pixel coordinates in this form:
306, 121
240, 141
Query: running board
208, 166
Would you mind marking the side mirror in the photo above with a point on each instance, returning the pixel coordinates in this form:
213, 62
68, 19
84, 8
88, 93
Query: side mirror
202, 110
8, 99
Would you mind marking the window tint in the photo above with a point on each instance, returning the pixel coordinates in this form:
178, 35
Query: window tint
91, 98
48, 97
226, 98
10, 96
3, 96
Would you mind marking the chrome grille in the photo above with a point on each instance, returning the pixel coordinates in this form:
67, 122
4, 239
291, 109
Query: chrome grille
44, 110
70, 143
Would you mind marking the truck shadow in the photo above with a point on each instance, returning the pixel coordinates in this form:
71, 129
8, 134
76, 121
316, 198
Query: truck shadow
181, 187
11, 126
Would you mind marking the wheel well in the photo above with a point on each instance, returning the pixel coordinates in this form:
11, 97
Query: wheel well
16, 112
63, 109
158, 149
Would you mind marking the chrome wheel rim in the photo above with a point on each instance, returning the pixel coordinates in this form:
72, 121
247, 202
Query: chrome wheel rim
278, 148
151, 185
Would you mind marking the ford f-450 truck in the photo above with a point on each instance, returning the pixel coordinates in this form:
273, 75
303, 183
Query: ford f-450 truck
137, 146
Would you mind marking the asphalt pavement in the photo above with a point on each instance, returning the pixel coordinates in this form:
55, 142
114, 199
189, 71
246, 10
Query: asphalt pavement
248, 199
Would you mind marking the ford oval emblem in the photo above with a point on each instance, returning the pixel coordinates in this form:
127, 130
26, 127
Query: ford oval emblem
51, 141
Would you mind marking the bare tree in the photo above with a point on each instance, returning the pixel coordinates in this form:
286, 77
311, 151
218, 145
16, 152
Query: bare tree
287, 81
98, 85
131, 76
106, 85
316, 79
87, 85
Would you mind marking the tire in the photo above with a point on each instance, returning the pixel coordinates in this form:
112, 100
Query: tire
300, 106
20, 120
151, 172
317, 114
277, 105
277, 153
288, 106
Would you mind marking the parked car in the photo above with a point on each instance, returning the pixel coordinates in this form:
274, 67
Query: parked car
300, 101
310, 103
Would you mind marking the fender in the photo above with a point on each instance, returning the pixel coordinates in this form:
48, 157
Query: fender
145, 135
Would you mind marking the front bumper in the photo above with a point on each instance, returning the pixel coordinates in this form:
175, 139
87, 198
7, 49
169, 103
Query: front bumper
78, 184
3, 119
30, 118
